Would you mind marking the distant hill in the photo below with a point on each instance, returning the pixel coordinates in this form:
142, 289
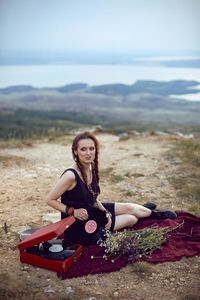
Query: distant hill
175, 87
17, 89
145, 95
118, 106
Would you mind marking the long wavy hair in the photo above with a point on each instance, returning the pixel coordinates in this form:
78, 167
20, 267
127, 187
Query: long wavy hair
95, 164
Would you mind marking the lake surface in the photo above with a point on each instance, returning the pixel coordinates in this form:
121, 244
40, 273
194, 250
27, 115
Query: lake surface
59, 75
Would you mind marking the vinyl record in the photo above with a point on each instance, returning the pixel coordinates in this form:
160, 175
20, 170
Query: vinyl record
55, 241
24, 234
90, 226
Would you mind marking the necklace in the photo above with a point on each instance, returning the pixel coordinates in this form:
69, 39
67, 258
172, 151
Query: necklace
90, 175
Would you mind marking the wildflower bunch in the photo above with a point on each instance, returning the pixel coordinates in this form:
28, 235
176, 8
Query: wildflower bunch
136, 243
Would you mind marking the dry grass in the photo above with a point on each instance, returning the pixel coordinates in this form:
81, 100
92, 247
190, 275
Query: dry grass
187, 178
16, 143
138, 175
142, 268
11, 160
190, 297
107, 174
188, 150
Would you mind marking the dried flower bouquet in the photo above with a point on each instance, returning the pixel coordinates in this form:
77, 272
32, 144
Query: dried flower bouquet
136, 243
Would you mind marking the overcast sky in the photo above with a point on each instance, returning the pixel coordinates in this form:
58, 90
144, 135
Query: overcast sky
105, 25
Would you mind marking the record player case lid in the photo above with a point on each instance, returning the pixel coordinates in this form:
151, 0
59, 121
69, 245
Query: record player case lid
46, 233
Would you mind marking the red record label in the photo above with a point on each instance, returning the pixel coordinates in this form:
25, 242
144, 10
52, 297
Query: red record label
90, 226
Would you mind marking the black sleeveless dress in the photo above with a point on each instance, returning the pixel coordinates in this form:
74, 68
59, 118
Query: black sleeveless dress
81, 197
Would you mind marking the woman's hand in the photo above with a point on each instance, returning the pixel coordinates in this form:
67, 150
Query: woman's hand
81, 214
108, 225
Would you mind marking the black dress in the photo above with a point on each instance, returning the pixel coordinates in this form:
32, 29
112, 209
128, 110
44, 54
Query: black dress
81, 197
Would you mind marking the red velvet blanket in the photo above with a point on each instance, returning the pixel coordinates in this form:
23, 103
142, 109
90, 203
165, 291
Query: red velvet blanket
185, 241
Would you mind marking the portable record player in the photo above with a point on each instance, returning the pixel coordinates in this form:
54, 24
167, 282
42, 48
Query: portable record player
43, 247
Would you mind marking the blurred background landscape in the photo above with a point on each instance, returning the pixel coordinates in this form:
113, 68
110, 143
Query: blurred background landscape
120, 65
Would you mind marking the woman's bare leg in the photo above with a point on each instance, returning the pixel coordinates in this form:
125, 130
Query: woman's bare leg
124, 220
127, 214
136, 210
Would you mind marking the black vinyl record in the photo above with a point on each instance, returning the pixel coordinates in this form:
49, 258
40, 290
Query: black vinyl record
77, 234
24, 234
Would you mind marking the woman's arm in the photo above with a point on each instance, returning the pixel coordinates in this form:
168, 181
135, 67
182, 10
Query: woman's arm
66, 182
101, 207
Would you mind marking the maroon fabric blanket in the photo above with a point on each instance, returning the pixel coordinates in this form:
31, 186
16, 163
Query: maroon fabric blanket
185, 241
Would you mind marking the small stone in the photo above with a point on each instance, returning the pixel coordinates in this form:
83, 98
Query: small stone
159, 176
99, 293
140, 178
176, 161
69, 290
166, 281
172, 279
48, 289
116, 294
160, 184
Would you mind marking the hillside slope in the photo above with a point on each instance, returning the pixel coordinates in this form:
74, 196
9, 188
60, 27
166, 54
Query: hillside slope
132, 170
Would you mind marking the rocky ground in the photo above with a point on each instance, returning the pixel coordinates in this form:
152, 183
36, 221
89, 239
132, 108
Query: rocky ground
132, 170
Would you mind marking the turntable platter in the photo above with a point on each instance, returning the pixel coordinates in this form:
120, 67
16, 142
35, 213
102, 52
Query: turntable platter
56, 248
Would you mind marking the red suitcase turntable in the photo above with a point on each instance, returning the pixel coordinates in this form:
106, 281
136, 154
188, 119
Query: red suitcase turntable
44, 249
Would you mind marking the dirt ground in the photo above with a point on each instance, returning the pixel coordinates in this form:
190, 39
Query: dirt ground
27, 175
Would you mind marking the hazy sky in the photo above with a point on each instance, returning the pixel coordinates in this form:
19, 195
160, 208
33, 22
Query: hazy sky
105, 25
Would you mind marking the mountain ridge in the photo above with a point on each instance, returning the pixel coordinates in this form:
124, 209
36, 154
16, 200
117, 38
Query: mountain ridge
176, 87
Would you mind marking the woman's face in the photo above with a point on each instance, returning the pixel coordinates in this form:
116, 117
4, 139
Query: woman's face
86, 151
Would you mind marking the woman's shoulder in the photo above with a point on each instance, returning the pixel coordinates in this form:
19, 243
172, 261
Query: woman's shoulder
70, 173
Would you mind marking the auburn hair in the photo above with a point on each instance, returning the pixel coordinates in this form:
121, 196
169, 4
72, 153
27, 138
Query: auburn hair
95, 164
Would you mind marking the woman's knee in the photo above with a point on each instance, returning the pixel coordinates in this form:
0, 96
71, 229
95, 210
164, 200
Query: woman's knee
133, 209
123, 221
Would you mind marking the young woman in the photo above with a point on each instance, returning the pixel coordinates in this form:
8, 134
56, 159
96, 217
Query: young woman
78, 188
